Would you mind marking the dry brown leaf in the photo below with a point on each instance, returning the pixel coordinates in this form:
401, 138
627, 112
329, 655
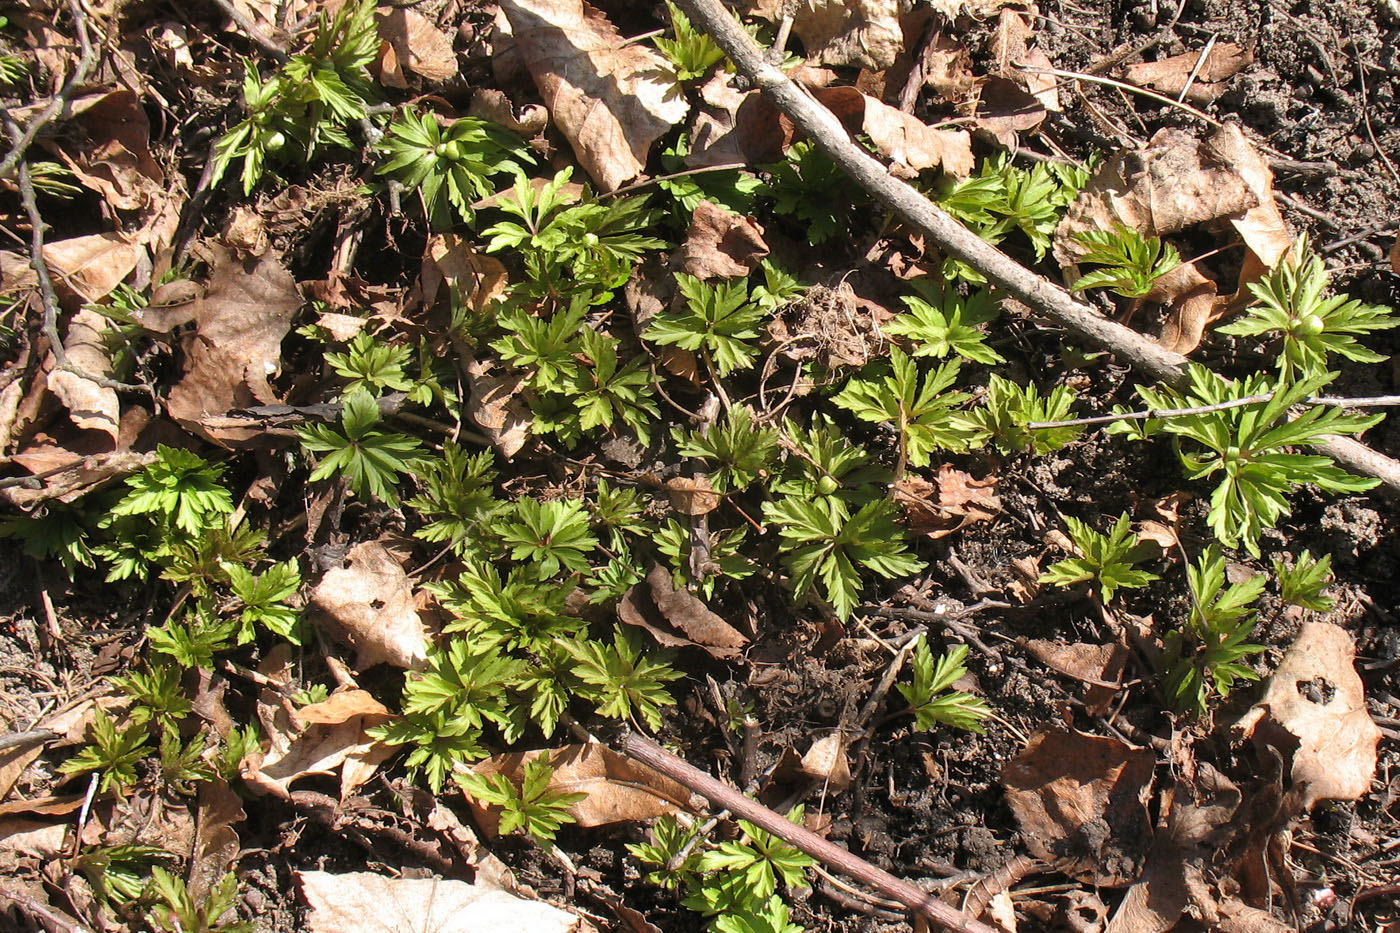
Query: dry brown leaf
693, 496
1192, 304
418, 45
720, 244
453, 260
332, 738
35, 838
1262, 227
663, 610
77, 478
947, 67
90, 406
1083, 798
1395, 257
610, 100
368, 603
111, 151
1099, 667
240, 321
618, 788
1169, 75
864, 33
712, 137
497, 406
363, 902
1314, 713
216, 843
954, 502
493, 105
91, 266
826, 761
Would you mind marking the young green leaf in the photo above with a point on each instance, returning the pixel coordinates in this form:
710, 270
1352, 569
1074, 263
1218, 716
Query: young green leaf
931, 696
370, 459
1107, 559
715, 320
924, 413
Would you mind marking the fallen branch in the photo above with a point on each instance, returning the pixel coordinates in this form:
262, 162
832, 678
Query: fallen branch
86, 61
1018, 282
721, 795
1146, 414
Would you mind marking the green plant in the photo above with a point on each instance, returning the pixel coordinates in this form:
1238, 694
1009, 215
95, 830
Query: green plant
811, 188
439, 742
1302, 583
1107, 559
609, 390
120, 874
1130, 263
179, 488
14, 69
1205, 655
822, 541
725, 559
157, 695
1008, 408
264, 598
181, 764
621, 681
945, 324
194, 642
467, 686
743, 450
455, 495
732, 189
692, 51
924, 413
240, 742
370, 459
931, 696
532, 807
1247, 446
372, 366
550, 534
822, 461
54, 531
717, 321
520, 611
178, 911
449, 164
1311, 327
309, 100
112, 754
570, 244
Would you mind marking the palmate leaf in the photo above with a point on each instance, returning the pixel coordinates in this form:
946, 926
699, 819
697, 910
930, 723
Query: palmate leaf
371, 460
931, 696
743, 450
924, 412
947, 324
1108, 559
621, 680
1131, 263
822, 543
715, 319
1206, 653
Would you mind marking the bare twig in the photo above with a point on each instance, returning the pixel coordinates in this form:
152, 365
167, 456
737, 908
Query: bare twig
32, 737
251, 30
649, 753
1018, 282
86, 61
1374, 401
1125, 86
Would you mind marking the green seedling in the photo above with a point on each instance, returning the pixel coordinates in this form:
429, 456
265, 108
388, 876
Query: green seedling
1302, 583
1108, 560
716, 321
1204, 657
370, 459
931, 696
532, 806
1130, 263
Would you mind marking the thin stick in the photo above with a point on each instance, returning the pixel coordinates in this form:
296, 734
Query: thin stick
251, 30
1374, 401
649, 753
1125, 86
60, 100
1018, 282
1196, 69
32, 737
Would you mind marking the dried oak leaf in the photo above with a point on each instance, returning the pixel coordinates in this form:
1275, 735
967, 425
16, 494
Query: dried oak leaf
412, 42
90, 406
693, 496
721, 244
332, 737
497, 406
363, 902
1192, 304
611, 100
450, 259
676, 617
368, 604
493, 105
1314, 713
618, 788
954, 502
826, 761
89, 267
240, 321
1083, 798
1207, 75
1099, 667
864, 33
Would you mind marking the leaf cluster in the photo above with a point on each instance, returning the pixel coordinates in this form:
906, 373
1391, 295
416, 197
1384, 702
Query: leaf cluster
1108, 559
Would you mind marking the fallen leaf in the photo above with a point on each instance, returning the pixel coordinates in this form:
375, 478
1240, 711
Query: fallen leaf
1262, 227
1314, 713
90, 406
826, 761
77, 478
90, 267
36, 838
216, 843
498, 407
1192, 304
240, 321
493, 105
720, 244
947, 68
610, 99
1083, 798
1169, 75
332, 738
954, 502
363, 902
1395, 256
453, 260
368, 603
418, 45
693, 496
618, 788
864, 33
1099, 667
676, 617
